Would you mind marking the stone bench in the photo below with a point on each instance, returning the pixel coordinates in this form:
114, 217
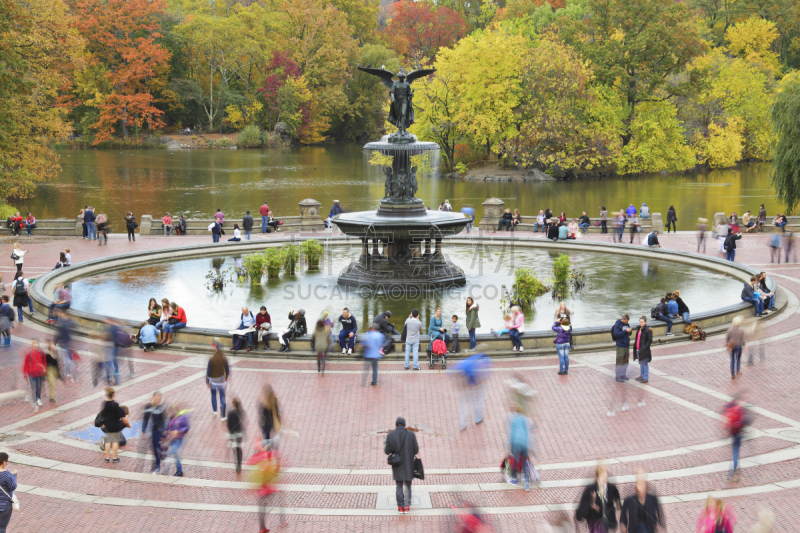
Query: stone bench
528, 224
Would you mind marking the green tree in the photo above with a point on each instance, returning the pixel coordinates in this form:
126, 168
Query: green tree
785, 113
636, 46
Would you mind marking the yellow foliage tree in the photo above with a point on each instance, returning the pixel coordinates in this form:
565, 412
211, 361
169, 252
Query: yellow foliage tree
752, 39
722, 147
241, 116
657, 142
38, 50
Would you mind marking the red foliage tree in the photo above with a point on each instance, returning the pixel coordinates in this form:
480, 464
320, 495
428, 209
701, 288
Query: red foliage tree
279, 69
121, 36
418, 30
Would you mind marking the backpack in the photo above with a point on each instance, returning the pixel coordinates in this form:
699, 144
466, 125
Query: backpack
689, 329
613, 337
698, 334
654, 313
122, 339
776, 241
734, 420
19, 288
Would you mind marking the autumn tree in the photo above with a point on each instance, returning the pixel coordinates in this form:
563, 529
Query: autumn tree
38, 49
785, 113
637, 46
417, 31
658, 141
566, 121
125, 64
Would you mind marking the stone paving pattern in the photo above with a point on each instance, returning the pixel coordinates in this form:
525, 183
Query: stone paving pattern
341, 426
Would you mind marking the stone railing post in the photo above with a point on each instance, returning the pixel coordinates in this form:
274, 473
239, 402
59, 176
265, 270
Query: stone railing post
79, 227
309, 213
658, 222
145, 223
492, 211
719, 218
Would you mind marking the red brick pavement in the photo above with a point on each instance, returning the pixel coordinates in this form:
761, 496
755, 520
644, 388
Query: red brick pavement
341, 425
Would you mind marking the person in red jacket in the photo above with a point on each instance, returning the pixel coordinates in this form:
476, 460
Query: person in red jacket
176, 321
34, 368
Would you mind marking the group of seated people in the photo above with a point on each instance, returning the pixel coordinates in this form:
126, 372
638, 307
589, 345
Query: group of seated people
17, 222
757, 293
669, 308
162, 323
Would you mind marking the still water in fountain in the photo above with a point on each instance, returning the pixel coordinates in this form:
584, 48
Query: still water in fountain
617, 284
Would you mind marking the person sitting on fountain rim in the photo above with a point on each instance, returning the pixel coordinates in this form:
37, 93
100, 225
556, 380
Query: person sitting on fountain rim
505, 221
297, 328
263, 326
246, 321
383, 325
347, 336
436, 328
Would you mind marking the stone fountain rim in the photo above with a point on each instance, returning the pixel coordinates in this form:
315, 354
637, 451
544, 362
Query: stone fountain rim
45, 284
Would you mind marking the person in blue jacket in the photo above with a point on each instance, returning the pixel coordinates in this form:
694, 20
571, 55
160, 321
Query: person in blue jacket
436, 328
347, 336
622, 338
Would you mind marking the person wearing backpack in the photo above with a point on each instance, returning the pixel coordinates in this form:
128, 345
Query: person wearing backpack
177, 429
730, 244
736, 420
661, 312
21, 297
401, 447
641, 349
563, 337
621, 333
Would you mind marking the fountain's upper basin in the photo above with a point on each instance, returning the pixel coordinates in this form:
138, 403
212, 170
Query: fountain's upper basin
401, 228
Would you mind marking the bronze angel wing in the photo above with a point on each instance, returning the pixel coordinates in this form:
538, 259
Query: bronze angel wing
421, 73
384, 75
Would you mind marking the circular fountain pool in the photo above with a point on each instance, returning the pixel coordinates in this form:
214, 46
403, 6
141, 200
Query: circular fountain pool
617, 284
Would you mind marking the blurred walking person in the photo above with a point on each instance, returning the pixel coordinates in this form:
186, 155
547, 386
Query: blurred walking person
53, 374
33, 368
752, 336
766, 522
217, 374
373, 342
267, 463
641, 512
641, 349
716, 517
734, 342
401, 447
472, 372
702, 227
736, 420
236, 425
270, 416
322, 344
177, 429
155, 416
599, 503
622, 339
518, 459
6, 320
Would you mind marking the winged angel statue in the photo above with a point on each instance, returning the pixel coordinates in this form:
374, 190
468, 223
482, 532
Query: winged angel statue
401, 112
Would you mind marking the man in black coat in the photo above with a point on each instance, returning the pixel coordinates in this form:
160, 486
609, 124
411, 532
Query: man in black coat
404, 443
247, 224
641, 513
641, 349
382, 323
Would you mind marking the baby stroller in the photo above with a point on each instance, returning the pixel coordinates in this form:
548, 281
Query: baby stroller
438, 354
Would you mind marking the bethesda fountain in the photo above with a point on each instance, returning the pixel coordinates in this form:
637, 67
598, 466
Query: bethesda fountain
402, 240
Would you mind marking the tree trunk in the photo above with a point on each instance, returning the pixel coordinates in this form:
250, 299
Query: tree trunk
124, 121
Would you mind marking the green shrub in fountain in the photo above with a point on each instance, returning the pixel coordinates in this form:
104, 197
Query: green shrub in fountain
312, 250
525, 289
274, 259
254, 265
561, 266
291, 256
250, 137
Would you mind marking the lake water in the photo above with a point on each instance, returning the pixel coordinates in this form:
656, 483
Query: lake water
197, 182
617, 285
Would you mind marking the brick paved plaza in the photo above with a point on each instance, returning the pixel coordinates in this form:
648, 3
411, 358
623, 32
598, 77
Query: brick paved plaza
336, 477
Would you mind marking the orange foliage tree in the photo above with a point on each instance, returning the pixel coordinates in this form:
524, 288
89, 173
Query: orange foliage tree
417, 31
126, 62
